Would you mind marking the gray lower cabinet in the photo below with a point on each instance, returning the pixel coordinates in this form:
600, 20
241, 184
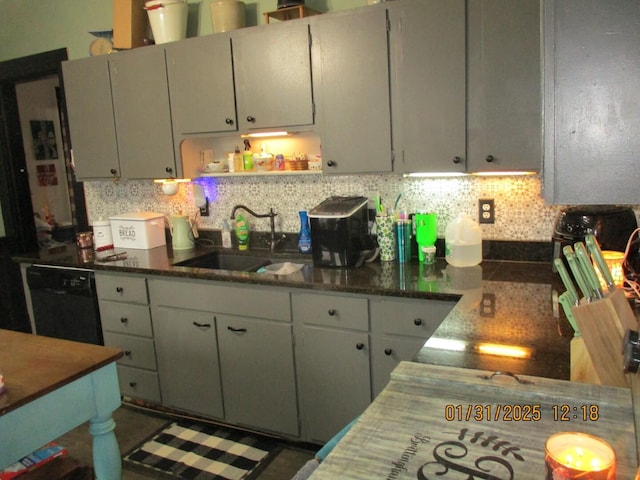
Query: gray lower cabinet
399, 328
351, 84
126, 324
592, 80
188, 360
258, 375
332, 354
226, 351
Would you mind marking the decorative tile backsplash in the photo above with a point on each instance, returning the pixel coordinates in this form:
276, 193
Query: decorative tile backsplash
520, 211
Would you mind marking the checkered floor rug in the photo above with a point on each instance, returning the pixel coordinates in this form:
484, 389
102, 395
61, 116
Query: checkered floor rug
192, 451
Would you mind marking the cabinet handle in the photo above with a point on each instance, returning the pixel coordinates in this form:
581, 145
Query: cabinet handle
202, 325
124, 320
251, 119
417, 321
457, 160
332, 312
119, 289
132, 384
228, 121
237, 330
359, 346
127, 353
489, 158
388, 351
168, 170
331, 163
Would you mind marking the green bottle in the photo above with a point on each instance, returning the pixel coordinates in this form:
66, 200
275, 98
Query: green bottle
242, 232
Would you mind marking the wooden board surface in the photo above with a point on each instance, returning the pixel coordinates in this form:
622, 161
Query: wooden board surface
433, 419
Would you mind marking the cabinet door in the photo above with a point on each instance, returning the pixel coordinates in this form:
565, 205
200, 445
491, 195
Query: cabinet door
258, 376
429, 54
504, 85
93, 135
273, 76
188, 365
200, 77
592, 80
351, 82
336, 385
143, 119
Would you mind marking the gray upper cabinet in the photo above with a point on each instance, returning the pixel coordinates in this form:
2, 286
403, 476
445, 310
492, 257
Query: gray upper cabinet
429, 99
200, 74
351, 81
504, 91
468, 93
90, 110
142, 114
592, 102
272, 69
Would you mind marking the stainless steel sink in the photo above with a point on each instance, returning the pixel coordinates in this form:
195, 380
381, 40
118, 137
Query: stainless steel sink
226, 261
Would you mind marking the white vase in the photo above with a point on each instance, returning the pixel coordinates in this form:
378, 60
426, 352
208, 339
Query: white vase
227, 15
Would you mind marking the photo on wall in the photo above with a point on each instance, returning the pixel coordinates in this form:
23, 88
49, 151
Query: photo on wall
44, 139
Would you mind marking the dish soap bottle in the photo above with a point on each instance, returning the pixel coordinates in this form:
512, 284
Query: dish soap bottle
242, 232
304, 238
226, 234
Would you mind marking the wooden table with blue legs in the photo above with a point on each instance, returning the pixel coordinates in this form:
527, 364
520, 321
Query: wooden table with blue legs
53, 386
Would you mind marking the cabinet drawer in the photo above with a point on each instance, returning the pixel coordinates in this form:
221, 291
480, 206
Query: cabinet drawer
138, 383
138, 351
331, 311
418, 318
125, 318
122, 288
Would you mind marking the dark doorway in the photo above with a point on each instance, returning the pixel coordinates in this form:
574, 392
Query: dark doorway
17, 225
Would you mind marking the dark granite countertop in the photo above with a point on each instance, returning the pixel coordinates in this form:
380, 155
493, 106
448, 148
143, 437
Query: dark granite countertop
501, 302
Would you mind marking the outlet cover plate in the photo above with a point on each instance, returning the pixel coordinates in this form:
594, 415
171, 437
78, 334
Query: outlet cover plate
486, 210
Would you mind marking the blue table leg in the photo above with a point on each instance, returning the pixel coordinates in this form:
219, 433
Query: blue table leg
106, 452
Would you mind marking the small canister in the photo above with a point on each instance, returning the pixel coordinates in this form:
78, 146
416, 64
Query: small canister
102, 237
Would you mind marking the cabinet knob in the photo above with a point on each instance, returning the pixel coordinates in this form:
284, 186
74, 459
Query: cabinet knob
417, 321
168, 170
124, 320
331, 163
119, 289
332, 312
251, 119
113, 171
388, 351
457, 160
127, 353
489, 158
228, 121
359, 346
132, 384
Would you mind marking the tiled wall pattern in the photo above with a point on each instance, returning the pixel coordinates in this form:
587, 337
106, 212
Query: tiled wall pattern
521, 213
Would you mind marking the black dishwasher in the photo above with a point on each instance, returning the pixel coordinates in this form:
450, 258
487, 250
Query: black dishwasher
65, 304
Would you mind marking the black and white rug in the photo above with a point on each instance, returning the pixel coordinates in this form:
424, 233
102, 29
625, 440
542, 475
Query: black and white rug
194, 451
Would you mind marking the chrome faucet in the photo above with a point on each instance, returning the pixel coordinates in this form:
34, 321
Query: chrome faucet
271, 215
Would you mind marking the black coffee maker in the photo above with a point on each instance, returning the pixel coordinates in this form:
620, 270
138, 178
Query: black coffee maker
611, 225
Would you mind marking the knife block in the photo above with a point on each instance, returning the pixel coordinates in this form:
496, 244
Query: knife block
596, 355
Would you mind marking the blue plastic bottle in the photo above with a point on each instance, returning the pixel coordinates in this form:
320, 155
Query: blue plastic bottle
304, 238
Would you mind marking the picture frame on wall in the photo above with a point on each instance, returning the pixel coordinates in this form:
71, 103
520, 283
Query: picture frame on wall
44, 140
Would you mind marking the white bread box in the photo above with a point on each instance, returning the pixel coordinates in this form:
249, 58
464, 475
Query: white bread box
141, 230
